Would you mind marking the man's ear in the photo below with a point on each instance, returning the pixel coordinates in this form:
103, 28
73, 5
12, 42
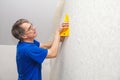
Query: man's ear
24, 36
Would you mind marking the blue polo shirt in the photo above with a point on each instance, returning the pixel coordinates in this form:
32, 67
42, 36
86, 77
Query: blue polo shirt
29, 58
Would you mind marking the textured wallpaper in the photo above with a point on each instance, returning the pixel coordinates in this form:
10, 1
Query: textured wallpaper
92, 51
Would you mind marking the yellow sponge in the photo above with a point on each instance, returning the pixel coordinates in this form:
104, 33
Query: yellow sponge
66, 30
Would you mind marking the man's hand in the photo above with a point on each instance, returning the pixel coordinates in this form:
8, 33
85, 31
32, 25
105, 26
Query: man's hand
62, 38
64, 26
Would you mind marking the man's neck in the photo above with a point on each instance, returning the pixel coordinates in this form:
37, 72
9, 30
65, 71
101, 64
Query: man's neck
30, 40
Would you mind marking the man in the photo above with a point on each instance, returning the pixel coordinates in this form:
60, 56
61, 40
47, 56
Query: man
30, 53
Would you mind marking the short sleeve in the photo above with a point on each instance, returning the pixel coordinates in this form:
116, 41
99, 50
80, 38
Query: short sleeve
37, 54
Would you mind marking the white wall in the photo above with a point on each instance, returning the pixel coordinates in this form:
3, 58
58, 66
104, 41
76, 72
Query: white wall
92, 51
39, 12
8, 69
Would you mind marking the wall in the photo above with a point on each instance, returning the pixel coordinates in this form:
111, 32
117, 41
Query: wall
8, 69
92, 51
39, 12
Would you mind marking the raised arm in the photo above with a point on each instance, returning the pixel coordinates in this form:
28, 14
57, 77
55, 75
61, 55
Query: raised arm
53, 50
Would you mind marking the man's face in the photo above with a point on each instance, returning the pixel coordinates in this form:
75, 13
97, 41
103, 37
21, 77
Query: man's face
30, 30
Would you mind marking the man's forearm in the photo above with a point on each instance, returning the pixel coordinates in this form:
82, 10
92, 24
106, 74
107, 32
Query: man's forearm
52, 52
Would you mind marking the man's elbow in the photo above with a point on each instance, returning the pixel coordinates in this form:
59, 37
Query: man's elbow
52, 54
